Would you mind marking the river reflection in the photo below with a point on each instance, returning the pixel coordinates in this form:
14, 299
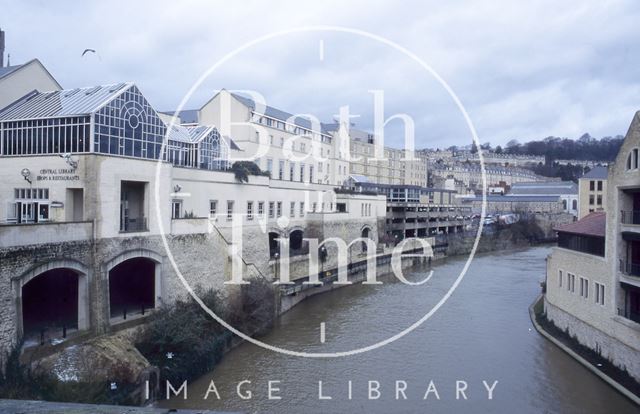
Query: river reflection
482, 333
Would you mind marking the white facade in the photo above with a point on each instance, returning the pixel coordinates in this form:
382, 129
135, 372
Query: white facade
20, 80
291, 148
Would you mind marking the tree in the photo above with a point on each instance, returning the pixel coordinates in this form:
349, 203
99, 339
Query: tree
474, 148
498, 149
243, 169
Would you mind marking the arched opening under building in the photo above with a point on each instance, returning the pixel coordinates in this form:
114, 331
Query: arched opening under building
296, 244
274, 245
132, 286
50, 304
365, 235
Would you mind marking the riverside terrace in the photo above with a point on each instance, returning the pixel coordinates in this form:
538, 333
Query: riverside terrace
88, 194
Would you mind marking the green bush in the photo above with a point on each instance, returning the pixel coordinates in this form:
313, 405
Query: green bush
193, 340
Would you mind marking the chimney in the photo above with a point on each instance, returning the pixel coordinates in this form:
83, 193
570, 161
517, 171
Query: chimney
1, 49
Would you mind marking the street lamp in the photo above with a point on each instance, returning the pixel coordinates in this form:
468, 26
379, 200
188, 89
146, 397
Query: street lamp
26, 174
276, 255
323, 258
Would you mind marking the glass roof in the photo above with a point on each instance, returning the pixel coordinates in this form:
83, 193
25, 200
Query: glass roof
68, 102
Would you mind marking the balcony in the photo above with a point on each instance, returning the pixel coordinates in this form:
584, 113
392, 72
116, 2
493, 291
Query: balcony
629, 268
630, 217
133, 225
12, 235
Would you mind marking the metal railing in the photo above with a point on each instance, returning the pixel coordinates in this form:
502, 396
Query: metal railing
130, 225
629, 268
630, 216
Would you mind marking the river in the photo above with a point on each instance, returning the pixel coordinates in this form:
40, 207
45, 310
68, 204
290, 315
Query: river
482, 333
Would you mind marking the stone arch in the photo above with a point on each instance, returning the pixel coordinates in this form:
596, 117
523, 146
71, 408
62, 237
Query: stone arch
296, 236
366, 233
78, 268
147, 264
274, 244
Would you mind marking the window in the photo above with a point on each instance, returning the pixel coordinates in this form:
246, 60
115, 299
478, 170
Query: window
559, 278
301, 172
213, 208
279, 209
314, 206
571, 282
292, 170
599, 296
599, 185
302, 209
292, 210
229, 210
176, 209
599, 199
260, 209
592, 185
280, 170
271, 209
257, 136
591, 199
249, 210
270, 165
311, 173
632, 159
584, 287
270, 139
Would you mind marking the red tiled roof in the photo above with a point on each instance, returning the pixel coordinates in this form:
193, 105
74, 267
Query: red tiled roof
594, 224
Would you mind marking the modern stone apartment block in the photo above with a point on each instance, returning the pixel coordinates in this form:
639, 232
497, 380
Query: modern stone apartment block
593, 275
592, 188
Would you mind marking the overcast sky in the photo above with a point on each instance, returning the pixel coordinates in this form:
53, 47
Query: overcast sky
523, 70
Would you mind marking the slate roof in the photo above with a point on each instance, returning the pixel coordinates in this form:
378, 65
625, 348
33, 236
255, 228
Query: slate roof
594, 224
544, 188
597, 173
186, 116
4, 71
516, 198
281, 115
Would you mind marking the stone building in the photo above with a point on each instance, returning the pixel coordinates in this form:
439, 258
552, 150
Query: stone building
397, 166
414, 211
17, 81
592, 190
593, 275
107, 213
471, 174
500, 204
567, 191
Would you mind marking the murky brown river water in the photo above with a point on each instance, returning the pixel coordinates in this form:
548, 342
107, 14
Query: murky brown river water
482, 332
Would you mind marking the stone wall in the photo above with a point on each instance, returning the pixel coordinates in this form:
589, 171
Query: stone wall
621, 355
201, 258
